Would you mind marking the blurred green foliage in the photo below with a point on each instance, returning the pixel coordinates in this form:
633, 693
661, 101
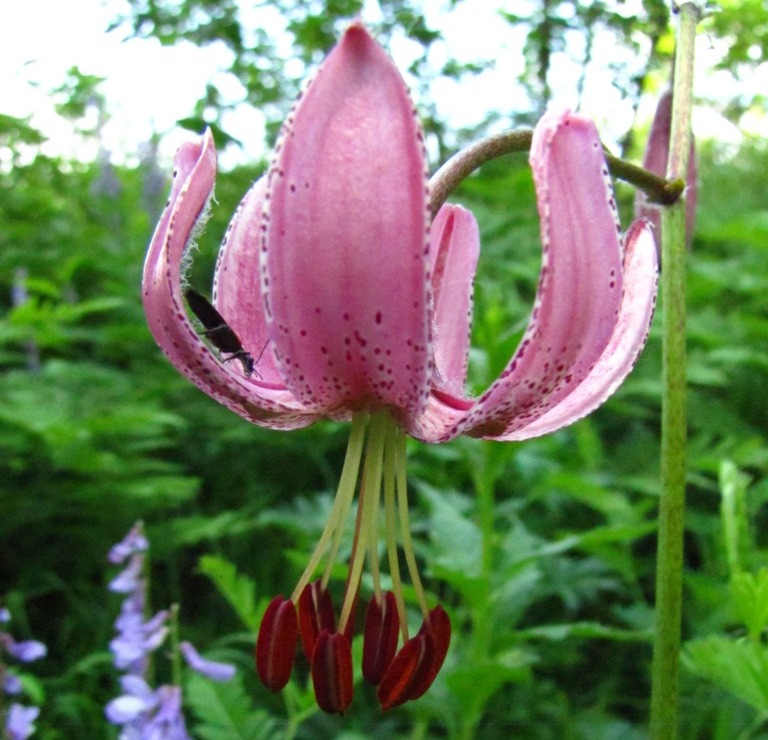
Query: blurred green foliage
543, 552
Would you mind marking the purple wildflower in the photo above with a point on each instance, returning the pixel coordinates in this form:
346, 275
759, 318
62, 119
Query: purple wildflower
209, 668
144, 713
168, 721
137, 698
20, 723
128, 580
134, 542
26, 651
135, 638
20, 719
11, 684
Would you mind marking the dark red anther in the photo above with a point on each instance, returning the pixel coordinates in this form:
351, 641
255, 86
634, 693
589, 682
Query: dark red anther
332, 672
276, 643
417, 663
380, 641
439, 627
405, 672
315, 615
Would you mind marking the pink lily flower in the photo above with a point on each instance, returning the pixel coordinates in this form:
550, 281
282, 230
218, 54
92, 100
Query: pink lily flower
364, 304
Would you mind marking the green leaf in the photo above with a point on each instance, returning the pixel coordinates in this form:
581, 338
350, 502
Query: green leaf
750, 598
224, 710
738, 666
460, 565
587, 630
473, 685
733, 489
31, 687
520, 546
237, 589
195, 529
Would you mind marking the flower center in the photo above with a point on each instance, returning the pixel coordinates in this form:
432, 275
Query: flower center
402, 675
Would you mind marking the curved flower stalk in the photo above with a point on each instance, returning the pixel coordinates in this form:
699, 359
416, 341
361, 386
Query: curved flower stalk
333, 262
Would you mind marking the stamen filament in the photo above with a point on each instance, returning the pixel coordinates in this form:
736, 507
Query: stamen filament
372, 527
350, 491
369, 497
405, 528
358, 530
379, 444
390, 462
341, 504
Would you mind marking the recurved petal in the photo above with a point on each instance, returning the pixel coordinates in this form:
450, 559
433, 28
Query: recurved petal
194, 173
625, 345
455, 247
344, 268
580, 286
237, 283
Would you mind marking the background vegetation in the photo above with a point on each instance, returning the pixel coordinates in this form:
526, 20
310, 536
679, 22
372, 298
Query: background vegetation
543, 552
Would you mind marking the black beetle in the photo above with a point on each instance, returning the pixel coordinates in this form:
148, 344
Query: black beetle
219, 332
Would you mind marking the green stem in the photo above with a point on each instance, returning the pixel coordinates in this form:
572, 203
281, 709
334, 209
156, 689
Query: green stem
175, 652
669, 573
296, 717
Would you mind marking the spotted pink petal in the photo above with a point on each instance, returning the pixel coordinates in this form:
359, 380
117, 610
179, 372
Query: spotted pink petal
344, 268
624, 347
580, 287
455, 248
237, 284
194, 173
